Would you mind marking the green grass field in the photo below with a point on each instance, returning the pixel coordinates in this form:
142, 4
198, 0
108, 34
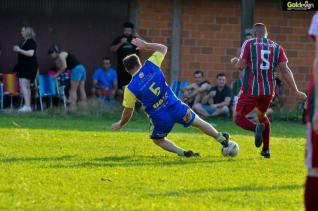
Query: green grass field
72, 163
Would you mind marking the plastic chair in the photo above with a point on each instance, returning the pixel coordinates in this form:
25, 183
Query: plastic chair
9, 86
48, 87
177, 87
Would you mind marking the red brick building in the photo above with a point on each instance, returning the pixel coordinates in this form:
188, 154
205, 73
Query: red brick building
211, 34
201, 34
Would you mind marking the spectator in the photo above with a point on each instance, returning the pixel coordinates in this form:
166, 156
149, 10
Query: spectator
78, 75
194, 92
122, 46
105, 80
27, 65
218, 100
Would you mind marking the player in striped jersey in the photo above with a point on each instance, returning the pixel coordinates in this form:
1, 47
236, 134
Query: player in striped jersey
259, 58
311, 187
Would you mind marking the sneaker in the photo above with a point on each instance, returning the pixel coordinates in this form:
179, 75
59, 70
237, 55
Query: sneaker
227, 138
25, 109
189, 154
265, 153
259, 134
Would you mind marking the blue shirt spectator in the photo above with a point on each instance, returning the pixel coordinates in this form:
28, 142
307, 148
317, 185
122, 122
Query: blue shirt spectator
105, 79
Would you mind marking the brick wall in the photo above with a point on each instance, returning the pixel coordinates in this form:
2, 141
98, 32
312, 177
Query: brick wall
290, 30
154, 25
211, 36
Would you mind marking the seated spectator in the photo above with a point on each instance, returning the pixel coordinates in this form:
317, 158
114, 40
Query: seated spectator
217, 101
105, 81
195, 91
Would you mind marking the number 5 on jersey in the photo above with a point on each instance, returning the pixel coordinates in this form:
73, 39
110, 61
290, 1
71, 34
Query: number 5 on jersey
155, 91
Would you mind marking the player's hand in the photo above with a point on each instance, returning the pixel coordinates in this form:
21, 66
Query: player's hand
315, 121
234, 60
301, 95
116, 126
141, 44
16, 48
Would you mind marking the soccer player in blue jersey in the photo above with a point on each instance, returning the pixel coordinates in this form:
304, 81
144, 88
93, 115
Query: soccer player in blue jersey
148, 85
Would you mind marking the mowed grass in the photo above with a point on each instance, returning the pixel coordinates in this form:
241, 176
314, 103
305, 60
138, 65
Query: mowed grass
72, 163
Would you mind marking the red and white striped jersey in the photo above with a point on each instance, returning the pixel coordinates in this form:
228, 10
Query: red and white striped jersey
262, 55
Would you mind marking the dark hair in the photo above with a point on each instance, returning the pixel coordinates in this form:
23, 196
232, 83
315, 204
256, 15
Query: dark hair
220, 75
53, 49
107, 58
128, 25
131, 61
198, 72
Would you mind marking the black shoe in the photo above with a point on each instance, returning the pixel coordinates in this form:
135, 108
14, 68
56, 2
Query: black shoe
225, 143
265, 153
259, 134
189, 154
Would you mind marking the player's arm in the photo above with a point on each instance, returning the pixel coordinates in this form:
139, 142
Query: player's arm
143, 45
240, 62
289, 78
129, 104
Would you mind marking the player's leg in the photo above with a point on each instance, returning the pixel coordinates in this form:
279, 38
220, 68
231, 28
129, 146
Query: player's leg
161, 125
245, 105
263, 104
311, 186
169, 146
209, 129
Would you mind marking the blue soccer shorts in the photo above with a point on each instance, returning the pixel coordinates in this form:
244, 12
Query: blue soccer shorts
163, 121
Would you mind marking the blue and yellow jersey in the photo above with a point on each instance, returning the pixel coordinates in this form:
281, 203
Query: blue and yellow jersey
149, 86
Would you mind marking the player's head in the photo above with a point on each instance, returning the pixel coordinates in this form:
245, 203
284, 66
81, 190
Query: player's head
260, 30
220, 80
131, 63
107, 62
128, 29
54, 51
198, 76
27, 32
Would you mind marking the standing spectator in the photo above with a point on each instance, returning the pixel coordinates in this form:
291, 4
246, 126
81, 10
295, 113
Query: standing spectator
105, 80
259, 58
122, 46
195, 91
27, 65
311, 186
78, 75
218, 100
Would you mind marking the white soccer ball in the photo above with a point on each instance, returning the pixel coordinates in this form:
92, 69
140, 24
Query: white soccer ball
230, 151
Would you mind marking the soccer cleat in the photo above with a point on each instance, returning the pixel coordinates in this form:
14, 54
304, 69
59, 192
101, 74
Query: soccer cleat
265, 153
225, 143
190, 153
259, 134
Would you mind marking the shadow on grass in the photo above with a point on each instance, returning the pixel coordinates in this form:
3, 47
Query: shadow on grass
229, 189
31, 159
139, 161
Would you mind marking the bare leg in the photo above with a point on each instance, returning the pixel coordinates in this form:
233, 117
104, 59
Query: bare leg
83, 97
209, 130
25, 89
168, 146
198, 109
73, 92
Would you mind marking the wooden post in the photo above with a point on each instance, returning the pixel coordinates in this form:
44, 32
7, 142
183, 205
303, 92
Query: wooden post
175, 40
247, 16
